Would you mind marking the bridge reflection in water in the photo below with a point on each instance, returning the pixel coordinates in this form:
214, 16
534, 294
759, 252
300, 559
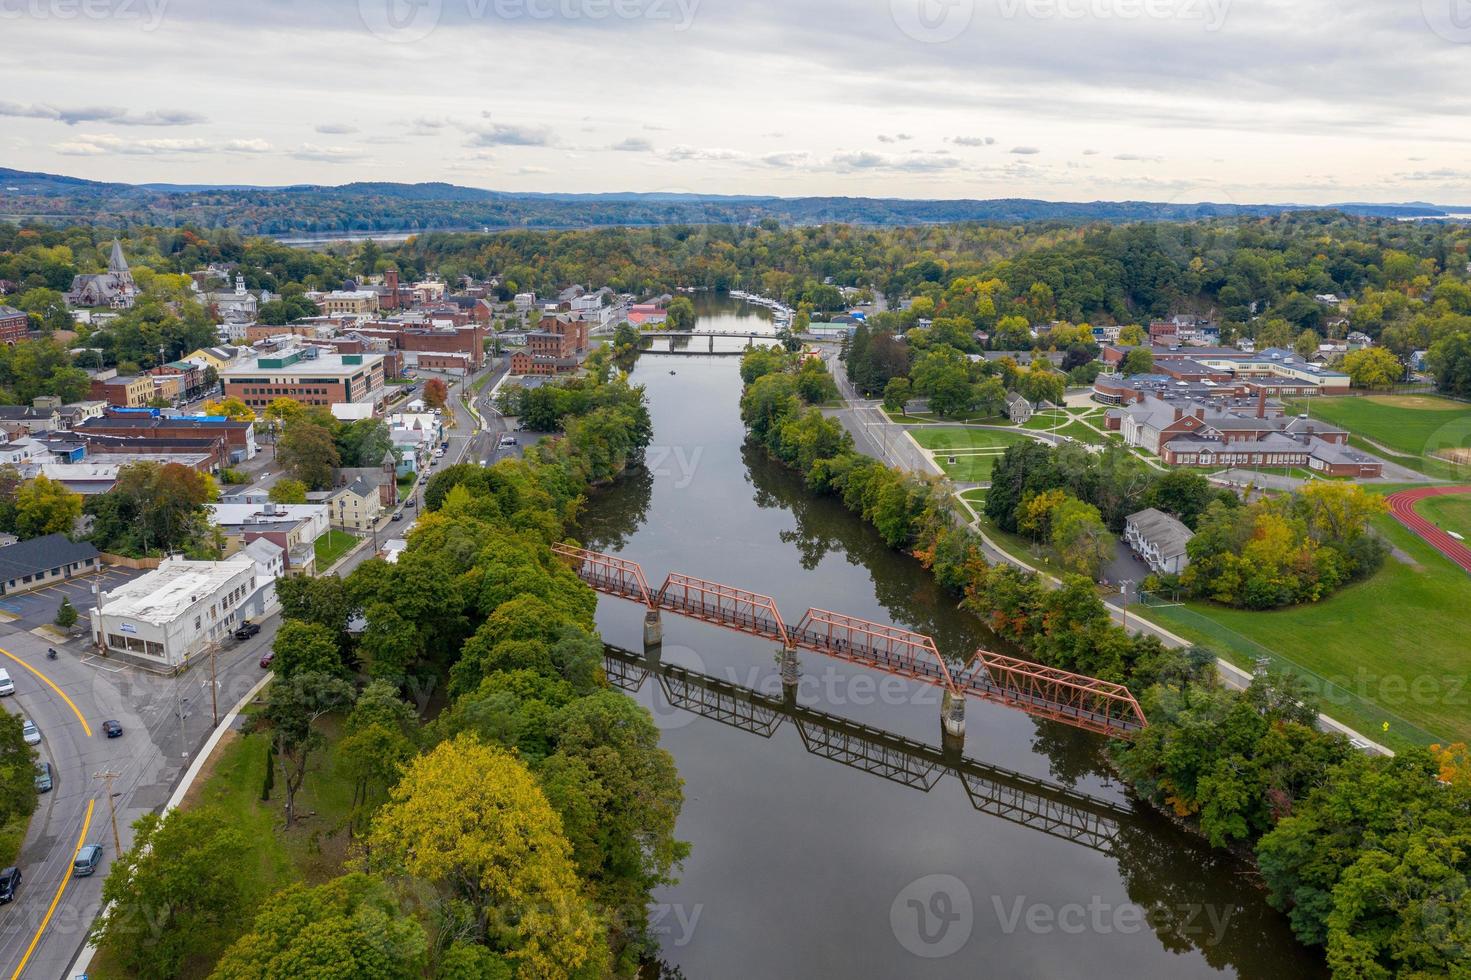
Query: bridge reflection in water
1038, 804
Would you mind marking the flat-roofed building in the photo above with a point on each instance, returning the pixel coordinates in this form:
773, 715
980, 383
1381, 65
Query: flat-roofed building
171, 616
307, 375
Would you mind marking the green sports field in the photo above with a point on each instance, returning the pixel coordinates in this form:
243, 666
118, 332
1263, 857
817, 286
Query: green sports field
1448, 513
975, 450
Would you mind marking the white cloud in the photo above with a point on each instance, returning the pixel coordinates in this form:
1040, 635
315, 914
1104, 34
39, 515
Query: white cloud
328, 154
101, 114
499, 134
633, 144
1025, 151
106, 144
335, 129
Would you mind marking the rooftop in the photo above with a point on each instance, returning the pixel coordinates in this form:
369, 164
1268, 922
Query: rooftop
42, 554
162, 595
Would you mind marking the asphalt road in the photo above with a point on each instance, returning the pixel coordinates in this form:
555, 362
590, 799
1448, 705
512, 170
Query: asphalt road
164, 721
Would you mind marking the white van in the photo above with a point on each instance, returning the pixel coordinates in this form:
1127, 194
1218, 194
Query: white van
7, 686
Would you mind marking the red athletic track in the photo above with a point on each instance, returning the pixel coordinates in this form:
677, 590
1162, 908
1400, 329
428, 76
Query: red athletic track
1402, 506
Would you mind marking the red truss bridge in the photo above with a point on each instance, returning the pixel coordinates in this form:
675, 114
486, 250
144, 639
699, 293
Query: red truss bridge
1046, 692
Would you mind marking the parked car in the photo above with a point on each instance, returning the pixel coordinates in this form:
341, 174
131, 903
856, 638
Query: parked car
398, 515
9, 882
508, 440
111, 728
30, 732
43, 777
7, 686
266, 659
247, 630
87, 860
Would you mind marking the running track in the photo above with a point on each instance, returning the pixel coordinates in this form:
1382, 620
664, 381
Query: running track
1402, 506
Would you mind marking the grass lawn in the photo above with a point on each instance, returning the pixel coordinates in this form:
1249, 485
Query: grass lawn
312, 851
1448, 513
1413, 426
12, 836
1393, 647
955, 437
332, 546
1078, 432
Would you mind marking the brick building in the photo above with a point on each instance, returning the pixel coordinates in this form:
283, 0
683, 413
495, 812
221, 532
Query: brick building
126, 391
307, 375
14, 325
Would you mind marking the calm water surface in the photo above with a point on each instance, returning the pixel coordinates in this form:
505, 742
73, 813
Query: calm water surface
863, 850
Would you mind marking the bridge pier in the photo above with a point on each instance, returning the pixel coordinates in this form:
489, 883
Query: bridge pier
712, 343
653, 630
952, 717
791, 668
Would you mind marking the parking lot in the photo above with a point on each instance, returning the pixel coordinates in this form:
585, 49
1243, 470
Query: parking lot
38, 607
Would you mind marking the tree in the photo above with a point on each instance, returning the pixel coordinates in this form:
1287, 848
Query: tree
45, 506
231, 408
436, 393
287, 491
308, 452
293, 705
680, 314
66, 614
181, 889
897, 394
471, 818
302, 647
1133, 335
155, 508
1140, 360
1372, 367
1080, 537
348, 927
17, 770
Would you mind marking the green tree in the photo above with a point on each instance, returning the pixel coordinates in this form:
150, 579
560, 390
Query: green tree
293, 705
66, 614
1080, 537
897, 394
303, 647
1372, 367
17, 770
308, 452
45, 506
180, 891
348, 927
288, 491
681, 314
1140, 360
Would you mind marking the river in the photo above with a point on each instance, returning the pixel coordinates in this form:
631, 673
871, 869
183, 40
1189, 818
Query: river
835, 837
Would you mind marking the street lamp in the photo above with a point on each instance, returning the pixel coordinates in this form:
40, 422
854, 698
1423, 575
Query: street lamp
1124, 591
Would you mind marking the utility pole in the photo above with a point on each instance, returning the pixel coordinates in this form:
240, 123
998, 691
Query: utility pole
109, 776
1124, 591
214, 687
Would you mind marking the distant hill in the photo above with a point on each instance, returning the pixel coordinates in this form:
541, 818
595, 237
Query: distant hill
313, 209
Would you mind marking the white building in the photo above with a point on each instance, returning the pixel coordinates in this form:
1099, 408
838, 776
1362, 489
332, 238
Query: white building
1159, 539
267, 513
176, 613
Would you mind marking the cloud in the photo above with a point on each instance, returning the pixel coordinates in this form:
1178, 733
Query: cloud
896, 138
335, 129
1025, 151
971, 140
911, 163
529, 171
107, 144
500, 134
634, 144
327, 154
104, 114
424, 126
785, 160
709, 155
1090, 153
1138, 157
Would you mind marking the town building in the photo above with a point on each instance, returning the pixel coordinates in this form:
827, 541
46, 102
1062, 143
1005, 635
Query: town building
307, 375
174, 615
14, 325
124, 391
356, 506
153, 431
1282, 373
44, 561
360, 302
555, 347
1159, 540
1018, 409
114, 288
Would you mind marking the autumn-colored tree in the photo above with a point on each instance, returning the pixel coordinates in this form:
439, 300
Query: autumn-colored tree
287, 491
1133, 335
1080, 537
45, 506
471, 819
1034, 515
436, 393
1372, 367
1455, 763
230, 408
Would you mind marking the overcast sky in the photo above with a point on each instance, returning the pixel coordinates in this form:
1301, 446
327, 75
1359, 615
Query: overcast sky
1308, 101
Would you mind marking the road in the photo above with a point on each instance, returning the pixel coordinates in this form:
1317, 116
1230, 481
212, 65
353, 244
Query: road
164, 721
871, 429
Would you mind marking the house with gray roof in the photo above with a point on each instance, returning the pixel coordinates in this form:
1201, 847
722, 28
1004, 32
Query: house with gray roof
1159, 540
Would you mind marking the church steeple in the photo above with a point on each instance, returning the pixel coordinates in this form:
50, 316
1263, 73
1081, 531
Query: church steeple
117, 263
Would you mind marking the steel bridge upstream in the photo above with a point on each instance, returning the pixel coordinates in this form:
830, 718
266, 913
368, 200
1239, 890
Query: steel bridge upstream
1045, 692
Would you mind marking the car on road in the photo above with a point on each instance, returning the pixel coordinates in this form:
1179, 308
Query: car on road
30, 732
87, 860
9, 882
508, 440
111, 728
398, 515
7, 686
266, 659
43, 777
247, 630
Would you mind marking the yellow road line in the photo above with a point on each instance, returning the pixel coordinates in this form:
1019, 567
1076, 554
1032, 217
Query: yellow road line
52, 684
56, 899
